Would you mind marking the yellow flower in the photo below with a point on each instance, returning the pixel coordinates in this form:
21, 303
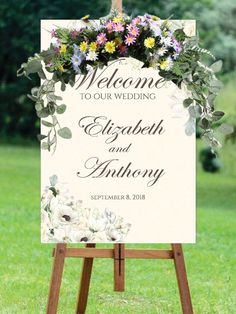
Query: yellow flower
164, 64
93, 46
110, 47
85, 18
60, 67
149, 42
118, 18
155, 18
83, 46
63, 49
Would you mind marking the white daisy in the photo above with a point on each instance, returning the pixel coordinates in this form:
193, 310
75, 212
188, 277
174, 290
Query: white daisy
92, 56
166, 41
161, 51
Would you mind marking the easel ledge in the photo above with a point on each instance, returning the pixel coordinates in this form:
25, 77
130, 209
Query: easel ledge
119, 253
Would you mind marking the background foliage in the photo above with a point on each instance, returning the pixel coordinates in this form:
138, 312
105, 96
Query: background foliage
20, 33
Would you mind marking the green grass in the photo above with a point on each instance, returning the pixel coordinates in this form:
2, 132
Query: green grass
25, 264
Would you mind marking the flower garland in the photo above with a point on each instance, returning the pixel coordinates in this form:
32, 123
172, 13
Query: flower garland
80, 50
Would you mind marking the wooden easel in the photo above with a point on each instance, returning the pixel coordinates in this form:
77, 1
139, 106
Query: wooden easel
119, 253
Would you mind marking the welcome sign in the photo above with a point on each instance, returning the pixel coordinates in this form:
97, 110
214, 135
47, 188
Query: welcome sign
126, 173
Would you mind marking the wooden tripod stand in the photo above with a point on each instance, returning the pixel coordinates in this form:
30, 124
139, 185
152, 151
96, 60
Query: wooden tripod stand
119, 253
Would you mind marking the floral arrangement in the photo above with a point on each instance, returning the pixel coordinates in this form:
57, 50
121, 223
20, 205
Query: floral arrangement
65, 220
157, 43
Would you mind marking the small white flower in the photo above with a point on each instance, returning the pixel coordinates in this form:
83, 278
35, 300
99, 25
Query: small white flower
78, 235
166, 41
111, 217
155, 28
61, 235
55, 42
92, 56
96, 225
161, 51
89, 68
63, 214
114, 235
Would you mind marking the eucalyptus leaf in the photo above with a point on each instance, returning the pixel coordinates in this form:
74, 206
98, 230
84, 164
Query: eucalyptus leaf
216, 66
53, 180
41, 137
65, 133
61, 109
187, 102
45, 146
44, 113
33, 66
217, 115
39, 105
226, 129
47, 124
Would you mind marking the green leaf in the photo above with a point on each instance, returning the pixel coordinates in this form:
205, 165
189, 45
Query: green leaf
33, 66
45, 146
54, 191
39, 105
187, 102
217, 115
216, 66
41, 137
44, 113
53, 180
204, 123
61, 109
65, 133
226, 129
47, 124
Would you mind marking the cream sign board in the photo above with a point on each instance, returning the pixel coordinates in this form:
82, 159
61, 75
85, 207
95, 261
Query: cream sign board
127, 174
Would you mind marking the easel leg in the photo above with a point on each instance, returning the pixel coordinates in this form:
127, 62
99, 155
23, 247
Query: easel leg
58, 264
181, 275
84, 283
119, 267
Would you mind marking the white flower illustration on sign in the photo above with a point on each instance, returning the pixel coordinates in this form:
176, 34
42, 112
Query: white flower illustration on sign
64, 219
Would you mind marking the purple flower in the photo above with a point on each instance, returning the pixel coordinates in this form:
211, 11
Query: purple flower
76, 60
74, 34
176, 45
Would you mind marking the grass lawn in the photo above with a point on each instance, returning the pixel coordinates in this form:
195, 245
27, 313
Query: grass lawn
25, 264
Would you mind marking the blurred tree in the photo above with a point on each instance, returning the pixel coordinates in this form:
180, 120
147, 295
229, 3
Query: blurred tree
20, 27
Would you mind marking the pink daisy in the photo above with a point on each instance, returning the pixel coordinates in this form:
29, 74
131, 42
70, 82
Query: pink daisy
110, 26
102, 39
53, 33
134, 31
130, 40
136, 21
118, 27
